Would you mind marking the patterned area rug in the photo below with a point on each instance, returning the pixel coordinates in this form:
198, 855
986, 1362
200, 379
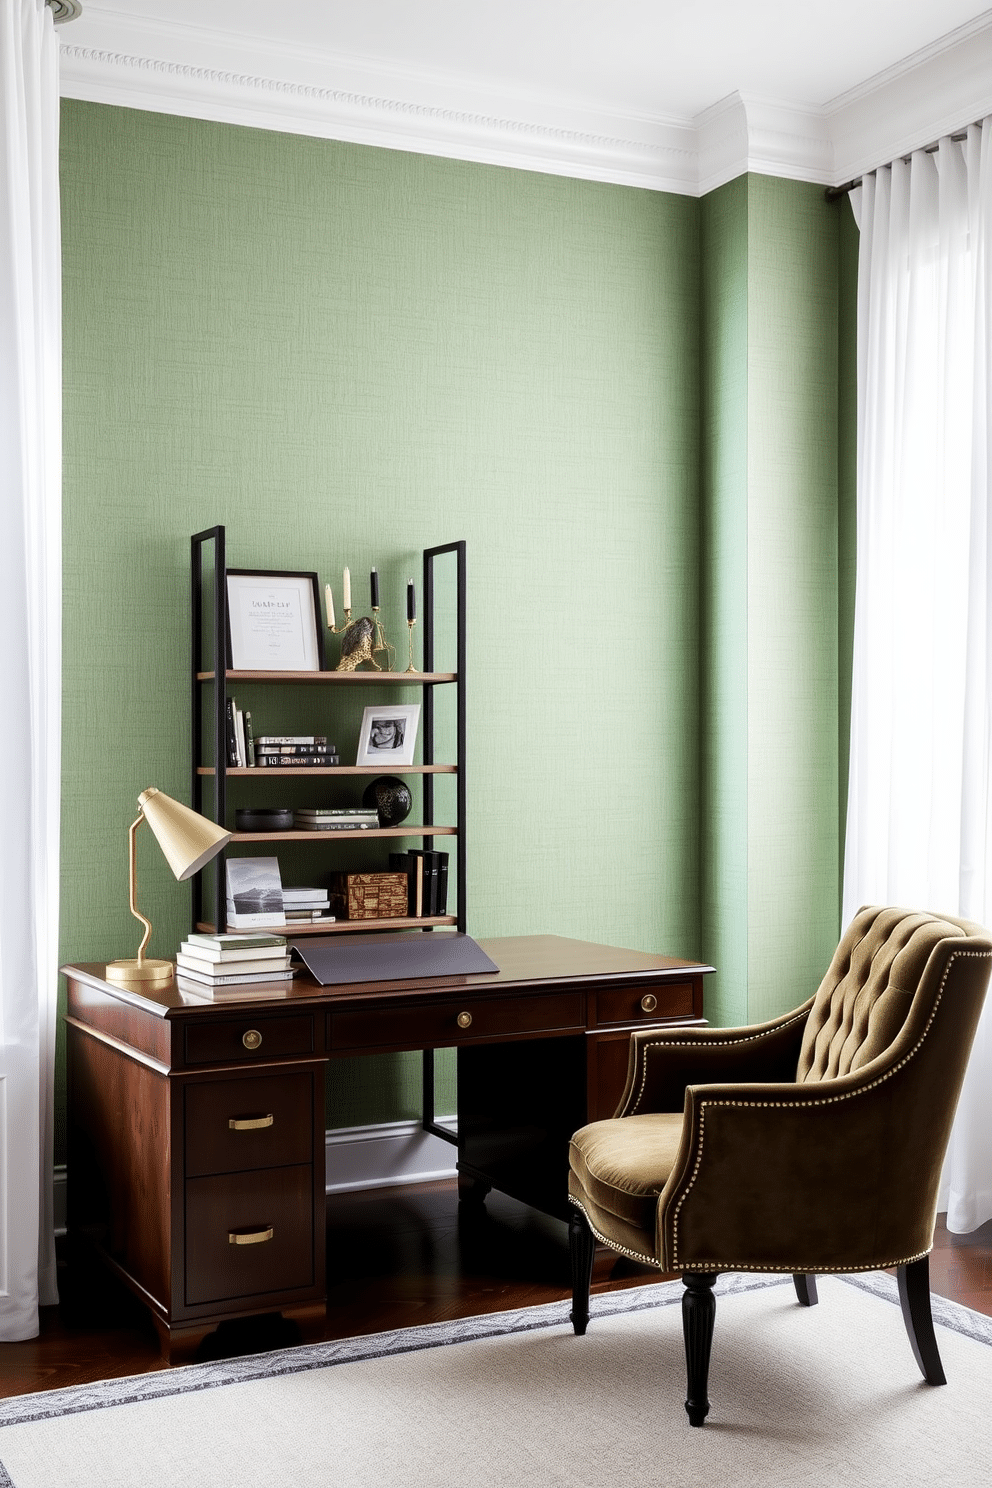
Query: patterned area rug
827, 1395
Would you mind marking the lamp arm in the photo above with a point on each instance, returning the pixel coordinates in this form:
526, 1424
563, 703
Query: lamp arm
133, 884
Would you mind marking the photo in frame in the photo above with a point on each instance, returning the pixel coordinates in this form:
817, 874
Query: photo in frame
273, 621
388, 736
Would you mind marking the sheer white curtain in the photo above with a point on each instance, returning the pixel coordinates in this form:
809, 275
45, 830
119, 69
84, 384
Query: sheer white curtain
30, 583
919, 830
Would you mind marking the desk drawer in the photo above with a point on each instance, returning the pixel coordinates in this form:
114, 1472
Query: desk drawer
642, 1004
249, 1205
248, 1036
236, 1125
455, 1021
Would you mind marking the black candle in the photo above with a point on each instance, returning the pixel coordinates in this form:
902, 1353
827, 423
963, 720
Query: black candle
411, 601
374, 580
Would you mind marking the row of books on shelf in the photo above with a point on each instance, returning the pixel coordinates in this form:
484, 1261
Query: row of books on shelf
246, 751
427, 880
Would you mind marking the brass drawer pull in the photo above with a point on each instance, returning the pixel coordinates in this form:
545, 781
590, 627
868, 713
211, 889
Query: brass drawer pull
464, 1020
250, 1237
252, 1039
250, 1123
648, 1002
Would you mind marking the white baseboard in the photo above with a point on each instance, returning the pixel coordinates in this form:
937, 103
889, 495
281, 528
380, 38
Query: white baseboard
383, 1156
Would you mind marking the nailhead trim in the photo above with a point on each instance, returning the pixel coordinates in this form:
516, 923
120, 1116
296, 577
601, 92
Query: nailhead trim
634, 1255
803, 1104
696, 1043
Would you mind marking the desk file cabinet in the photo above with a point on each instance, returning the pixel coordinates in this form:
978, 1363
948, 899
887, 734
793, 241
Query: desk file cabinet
196, 1131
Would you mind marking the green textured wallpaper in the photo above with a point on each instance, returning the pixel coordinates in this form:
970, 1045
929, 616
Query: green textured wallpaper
345, 354
772, 593
628, 405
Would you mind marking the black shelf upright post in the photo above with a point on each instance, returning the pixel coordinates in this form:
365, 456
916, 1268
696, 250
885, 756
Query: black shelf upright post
219, 664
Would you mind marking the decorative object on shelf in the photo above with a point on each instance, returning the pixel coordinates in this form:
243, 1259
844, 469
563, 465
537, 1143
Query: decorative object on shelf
391, 798
254, 893
264, 819
356, 644
189, 841
272, 621
388, 735
411, 617
380, 646
369, 896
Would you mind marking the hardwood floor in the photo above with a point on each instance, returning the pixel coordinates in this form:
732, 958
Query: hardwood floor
396, 1257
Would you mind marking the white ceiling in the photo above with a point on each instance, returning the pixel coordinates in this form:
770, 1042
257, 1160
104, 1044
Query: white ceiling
608, 73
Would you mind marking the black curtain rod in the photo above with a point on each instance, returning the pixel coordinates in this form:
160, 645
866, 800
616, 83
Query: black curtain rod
834, 193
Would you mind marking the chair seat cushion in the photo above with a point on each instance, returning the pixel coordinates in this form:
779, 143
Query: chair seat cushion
623, 1165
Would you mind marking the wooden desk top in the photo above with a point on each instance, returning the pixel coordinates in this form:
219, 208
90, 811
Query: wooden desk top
524, 961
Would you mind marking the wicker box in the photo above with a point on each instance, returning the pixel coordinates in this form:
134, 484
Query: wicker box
369, 896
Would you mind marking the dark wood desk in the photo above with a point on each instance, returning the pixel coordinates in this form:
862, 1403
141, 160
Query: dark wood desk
196, 1130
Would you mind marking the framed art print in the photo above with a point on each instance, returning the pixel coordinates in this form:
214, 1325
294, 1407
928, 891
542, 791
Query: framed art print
388, 736
273, 621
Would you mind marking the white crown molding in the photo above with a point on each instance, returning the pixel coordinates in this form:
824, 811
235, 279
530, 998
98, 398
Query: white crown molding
109, 57
935, 92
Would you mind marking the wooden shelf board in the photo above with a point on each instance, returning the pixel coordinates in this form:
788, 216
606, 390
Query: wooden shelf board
415, 829
403, 679
260, 771
338, 927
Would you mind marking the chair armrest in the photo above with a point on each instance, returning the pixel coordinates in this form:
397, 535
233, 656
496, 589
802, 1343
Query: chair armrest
830, 1175
664, 1061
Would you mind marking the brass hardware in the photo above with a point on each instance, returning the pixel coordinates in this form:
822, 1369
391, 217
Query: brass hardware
250, 1123
648, 1002
252, 1039
464, 1020
250, 1237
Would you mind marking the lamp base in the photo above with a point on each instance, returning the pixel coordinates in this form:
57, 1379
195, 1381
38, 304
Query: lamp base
140, 971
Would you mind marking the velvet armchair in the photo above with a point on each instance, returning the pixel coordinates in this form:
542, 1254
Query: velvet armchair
809, 1144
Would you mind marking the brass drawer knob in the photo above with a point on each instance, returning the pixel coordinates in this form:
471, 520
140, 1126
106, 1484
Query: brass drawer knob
252, 1039
464, 1020
250, 1237
648, 1002
250, 1123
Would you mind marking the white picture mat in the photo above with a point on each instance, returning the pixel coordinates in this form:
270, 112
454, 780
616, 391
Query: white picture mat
272, 622
389, 735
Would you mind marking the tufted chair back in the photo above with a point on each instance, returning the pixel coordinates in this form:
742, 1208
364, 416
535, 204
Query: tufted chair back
865, 997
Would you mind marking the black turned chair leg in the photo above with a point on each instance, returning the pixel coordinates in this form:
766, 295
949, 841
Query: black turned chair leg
914, 1297
806, 1289
581, 1250
698, 1314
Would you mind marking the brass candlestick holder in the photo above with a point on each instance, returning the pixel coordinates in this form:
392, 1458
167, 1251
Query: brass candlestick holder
411, 667
380, 646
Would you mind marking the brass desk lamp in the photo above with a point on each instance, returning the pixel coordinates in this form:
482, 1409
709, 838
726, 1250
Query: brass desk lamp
189, 841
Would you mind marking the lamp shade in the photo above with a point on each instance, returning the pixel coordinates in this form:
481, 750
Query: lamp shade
187, 839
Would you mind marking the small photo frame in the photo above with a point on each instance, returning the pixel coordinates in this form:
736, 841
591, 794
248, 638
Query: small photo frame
388, 736
273, 621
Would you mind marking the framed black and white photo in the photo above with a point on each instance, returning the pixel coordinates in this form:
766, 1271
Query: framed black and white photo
389, 735
273, 621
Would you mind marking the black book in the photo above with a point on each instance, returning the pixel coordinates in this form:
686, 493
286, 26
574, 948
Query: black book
430, 883
232, 745
442, 883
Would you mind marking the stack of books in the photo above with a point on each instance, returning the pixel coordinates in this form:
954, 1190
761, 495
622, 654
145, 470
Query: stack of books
208, 963
293, 750
306, 906
335, 818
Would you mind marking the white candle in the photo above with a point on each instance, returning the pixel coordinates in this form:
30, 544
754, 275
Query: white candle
329, 602
346, 588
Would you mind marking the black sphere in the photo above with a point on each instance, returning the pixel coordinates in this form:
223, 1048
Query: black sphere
391, 798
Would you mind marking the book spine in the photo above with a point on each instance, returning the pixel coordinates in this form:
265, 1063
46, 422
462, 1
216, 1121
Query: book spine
294, 748
442, 883
262, 760
232, 752
249, 740
292, 739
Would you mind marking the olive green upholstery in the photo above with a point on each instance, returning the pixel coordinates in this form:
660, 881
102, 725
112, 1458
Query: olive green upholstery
811, 1143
